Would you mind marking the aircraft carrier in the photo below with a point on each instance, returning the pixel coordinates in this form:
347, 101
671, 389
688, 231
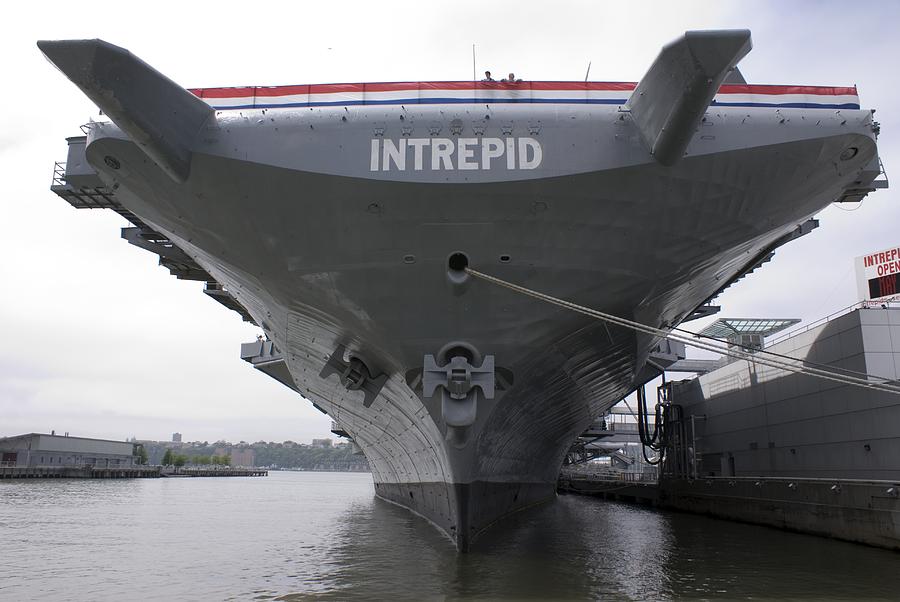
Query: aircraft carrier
343, 219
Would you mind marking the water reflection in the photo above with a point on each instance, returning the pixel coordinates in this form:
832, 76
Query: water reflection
295, 536
583, 548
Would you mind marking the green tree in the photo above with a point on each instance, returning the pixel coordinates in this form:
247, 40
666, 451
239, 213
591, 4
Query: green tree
180, 460
167, 458
226, 460
141, 454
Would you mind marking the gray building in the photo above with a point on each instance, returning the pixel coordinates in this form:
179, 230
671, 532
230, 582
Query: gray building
757, 421
36, 449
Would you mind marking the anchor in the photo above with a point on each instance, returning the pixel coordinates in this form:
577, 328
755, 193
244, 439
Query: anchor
458, 380
355, 374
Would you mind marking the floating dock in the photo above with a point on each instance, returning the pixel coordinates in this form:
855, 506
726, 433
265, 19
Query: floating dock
620, 487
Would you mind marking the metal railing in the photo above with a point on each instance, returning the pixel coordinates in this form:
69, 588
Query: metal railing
584, 471
59, 174
9, 463
825, 320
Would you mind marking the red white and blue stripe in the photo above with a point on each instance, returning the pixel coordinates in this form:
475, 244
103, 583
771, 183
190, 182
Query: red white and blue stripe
412, 93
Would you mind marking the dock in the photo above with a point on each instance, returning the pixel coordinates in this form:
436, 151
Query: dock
857, 510
130, 472
215, 472
79, 472
624, 487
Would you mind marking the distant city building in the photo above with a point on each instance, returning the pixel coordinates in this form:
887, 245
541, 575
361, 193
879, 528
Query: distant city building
321, 443
243, 457
176, 437
36, 449
240, 456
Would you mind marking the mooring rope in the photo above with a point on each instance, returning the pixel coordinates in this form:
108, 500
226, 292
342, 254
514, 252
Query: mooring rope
759, 357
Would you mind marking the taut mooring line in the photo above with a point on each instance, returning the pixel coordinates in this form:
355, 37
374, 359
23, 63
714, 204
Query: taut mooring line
760, 357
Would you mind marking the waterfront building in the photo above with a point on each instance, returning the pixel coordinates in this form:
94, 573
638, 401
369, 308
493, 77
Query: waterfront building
38, 449
746, 419
243, 456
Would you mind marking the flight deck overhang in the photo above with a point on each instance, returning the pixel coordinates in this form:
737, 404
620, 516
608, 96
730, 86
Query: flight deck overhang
266, 357
78, 183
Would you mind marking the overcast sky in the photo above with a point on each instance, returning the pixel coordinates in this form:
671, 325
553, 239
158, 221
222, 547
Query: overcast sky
99, 341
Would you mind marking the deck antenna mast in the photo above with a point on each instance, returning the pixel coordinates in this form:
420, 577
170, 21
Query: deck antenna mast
474, 76
588, 72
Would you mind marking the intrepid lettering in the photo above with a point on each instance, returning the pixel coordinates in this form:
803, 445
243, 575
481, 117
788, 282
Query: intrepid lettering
884, 262
445, 154
882, 257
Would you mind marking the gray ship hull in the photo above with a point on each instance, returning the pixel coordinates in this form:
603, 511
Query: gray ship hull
340, 218
324, 260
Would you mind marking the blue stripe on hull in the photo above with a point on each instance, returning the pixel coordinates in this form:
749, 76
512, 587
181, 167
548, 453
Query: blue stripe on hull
593, 101
787, 105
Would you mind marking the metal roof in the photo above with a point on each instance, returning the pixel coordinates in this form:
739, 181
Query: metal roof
27, 435
725, 328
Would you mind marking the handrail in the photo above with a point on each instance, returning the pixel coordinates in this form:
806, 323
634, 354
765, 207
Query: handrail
59, 174
57, 467
841, 312
825, 480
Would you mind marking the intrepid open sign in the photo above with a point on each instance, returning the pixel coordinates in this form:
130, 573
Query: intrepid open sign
878, 274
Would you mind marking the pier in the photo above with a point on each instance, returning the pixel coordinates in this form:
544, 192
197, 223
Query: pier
130, 472
857, 510
621, 487
79, 472
215, 472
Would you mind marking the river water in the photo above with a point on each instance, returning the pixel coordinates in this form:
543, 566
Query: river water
299, 536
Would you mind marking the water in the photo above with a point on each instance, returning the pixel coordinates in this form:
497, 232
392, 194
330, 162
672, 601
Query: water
297, 536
